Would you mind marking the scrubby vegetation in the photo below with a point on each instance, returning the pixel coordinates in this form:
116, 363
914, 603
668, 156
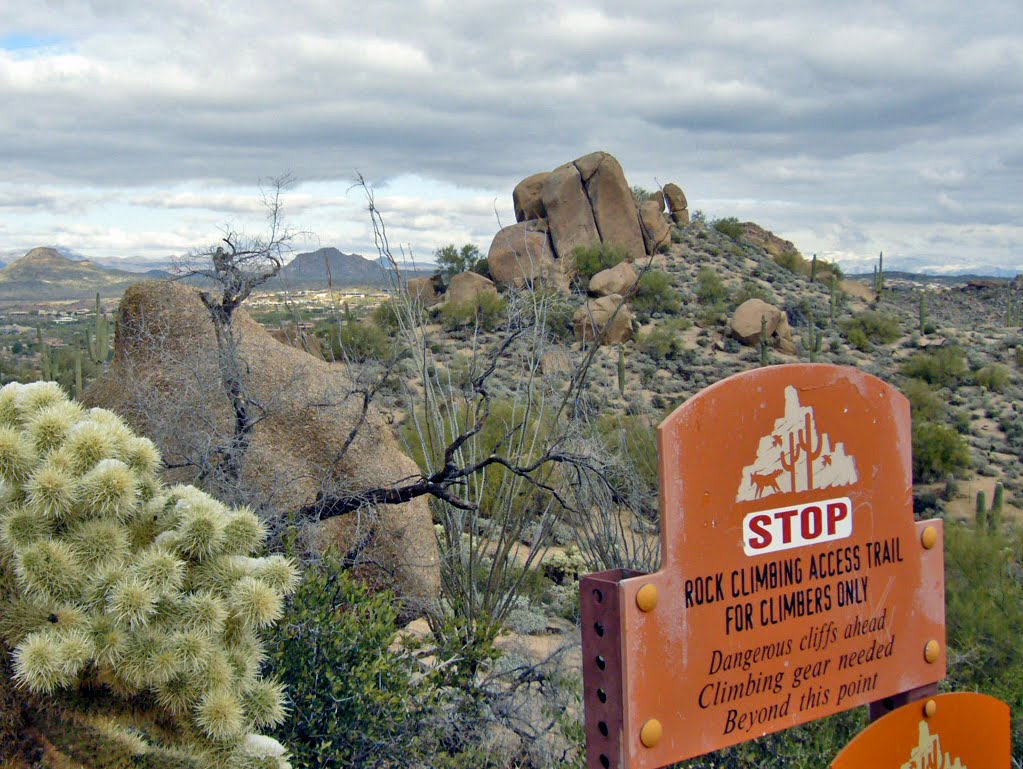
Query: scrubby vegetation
466, 687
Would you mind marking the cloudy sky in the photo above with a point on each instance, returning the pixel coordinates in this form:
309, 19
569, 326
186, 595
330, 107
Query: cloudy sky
138, 128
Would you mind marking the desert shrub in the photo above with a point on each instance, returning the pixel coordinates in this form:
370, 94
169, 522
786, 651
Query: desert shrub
453, 260
360, 341
938, 452
710, 288
356, 696
131, 613
870, 327
793, 262
729, 226
589, 260
385, 316
993, 377
654, 293
484, 312
663, 342
984, 617
925, 403
750, 289
943, 367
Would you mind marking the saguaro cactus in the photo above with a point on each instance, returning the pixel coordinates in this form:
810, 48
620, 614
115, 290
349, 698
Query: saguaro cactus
130, 613
923, 312
621, 370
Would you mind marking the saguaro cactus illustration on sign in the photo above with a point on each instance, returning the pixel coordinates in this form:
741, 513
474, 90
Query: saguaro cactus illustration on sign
803, 444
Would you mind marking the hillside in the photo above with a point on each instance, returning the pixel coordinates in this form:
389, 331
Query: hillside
44, 274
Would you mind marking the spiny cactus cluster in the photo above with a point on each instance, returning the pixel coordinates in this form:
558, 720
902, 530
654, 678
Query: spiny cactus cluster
130, 612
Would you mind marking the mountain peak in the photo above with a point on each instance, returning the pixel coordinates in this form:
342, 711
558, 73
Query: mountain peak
43, 255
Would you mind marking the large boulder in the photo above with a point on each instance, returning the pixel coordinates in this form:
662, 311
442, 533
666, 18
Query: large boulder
467, 287
527, 197
745, 325
165, 380
598, 315
656, 230
521, 254
612, 203
568, 211
678, 206
620, 279
424, 290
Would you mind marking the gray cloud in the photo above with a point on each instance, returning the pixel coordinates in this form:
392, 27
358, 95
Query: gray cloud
901, 120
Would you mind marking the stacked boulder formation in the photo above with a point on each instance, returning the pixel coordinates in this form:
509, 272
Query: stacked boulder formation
587, 202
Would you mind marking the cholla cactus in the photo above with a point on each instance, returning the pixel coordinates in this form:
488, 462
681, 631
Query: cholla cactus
129, 612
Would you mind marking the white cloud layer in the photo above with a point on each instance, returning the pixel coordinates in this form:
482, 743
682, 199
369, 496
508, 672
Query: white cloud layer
848, 128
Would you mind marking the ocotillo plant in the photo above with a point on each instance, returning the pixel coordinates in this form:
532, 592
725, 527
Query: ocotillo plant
922, 311
130, 613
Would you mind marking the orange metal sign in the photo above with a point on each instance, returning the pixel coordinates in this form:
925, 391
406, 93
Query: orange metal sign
948, 731
794, 584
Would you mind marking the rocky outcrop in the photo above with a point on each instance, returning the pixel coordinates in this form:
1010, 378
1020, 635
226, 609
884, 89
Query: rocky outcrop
678, 206
467, 286
767, 240
424, 290
569, 215
745, 325
656, 229
522, 254
620, 279
527, 198
165, 381
612, 203
599, 316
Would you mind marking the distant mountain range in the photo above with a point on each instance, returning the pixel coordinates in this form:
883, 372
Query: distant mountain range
44, 274
317, 269
50, 274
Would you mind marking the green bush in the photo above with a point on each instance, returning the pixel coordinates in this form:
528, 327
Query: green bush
793, 262
589, 260
710, 288
984, 618
453, 260
938, 452
662, 342
355, 700
485, 312
729, 226
654, 293
385, 316
751, 290
870, 327
993, 377
943, 367
360, 341
925, 403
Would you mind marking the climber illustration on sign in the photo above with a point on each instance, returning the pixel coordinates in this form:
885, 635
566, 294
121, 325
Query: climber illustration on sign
796, 456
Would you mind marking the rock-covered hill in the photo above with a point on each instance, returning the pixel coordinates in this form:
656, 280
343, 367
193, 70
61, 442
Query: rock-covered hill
45, 274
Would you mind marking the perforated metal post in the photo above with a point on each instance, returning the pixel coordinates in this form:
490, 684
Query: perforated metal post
603, 696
